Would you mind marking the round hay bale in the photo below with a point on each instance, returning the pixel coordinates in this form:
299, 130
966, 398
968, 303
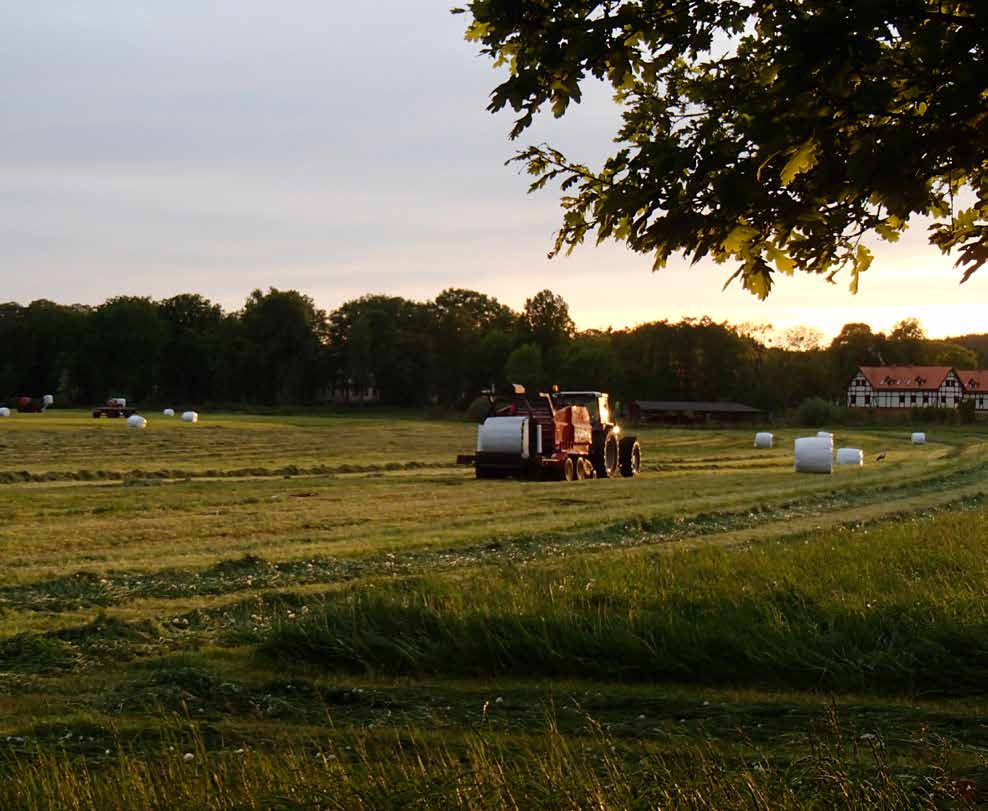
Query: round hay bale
190, 416
763, 439
47, 400
919, 438
813, 454
850, 456
136, 421
169, 412
4, 411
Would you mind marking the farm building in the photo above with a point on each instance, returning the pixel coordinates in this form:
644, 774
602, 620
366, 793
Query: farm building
915, 387
691, 411
974, 382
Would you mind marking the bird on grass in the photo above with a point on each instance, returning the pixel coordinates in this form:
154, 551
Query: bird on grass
880, 456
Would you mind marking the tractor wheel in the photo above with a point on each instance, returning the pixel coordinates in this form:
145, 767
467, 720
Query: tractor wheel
631, 456
581, 469
569, 469
605, 462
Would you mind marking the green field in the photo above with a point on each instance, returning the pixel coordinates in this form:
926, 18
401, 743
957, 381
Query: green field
323, 611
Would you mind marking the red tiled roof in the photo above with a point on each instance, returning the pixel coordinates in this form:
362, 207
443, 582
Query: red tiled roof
892, 378
973, 379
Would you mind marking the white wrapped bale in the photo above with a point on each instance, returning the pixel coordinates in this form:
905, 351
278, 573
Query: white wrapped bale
136, 421
4, 411
814, 454
47, 400
763, 439
850, 456
190, 416
919, 438
169, 412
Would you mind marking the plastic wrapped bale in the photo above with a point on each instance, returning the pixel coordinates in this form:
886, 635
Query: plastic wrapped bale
4, 411
814, 454
136, 421
190, 416
169, 412
850, 456
763, 439
919, 438
47, 400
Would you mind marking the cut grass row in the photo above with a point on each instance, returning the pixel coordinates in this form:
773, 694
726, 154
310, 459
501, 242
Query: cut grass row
903, 608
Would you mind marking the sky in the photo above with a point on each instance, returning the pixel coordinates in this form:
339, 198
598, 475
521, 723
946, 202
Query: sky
337, 149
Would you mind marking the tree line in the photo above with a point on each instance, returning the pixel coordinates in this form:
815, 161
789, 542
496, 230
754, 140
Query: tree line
281, 349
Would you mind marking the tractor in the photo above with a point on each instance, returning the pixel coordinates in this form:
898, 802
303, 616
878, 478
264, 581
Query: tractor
611, 453
561, 435
115, 407
34, 405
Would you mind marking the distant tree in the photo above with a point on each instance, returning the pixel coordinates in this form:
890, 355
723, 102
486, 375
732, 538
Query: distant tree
907, 343
854, 346
385, 340
461, 320
802, 338
546, 320
191, 353
944, 353
524, 365
121, 351
285, 334
774, 135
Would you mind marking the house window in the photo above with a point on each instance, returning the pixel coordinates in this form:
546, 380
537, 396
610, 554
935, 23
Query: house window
912, 399
926, 399
902, 399
867, 399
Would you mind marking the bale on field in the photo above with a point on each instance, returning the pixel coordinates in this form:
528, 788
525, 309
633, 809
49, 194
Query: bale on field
813, 454
919, 438
47, 400
136, 421
763, 439
190, 416
169, 412
850, 456
4, 411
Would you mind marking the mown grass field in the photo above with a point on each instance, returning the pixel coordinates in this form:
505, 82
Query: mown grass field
324, 611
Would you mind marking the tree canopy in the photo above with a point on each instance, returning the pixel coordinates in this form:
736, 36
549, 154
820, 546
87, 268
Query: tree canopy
778, 135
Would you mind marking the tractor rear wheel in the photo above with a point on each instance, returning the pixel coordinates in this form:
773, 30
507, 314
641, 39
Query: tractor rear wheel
631, 456
581, 469
569, 469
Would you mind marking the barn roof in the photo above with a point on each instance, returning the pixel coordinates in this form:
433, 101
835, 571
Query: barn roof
892, 378
695, 405
973, 379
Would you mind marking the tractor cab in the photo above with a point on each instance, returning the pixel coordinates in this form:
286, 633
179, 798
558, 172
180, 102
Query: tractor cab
596, 402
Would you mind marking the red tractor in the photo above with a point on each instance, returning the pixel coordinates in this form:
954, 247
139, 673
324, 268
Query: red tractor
115, 407
34, 405
565, 435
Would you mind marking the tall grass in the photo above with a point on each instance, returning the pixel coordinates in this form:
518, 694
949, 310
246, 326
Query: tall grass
901, 607
545, 770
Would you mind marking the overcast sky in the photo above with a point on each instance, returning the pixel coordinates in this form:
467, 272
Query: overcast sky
338, 149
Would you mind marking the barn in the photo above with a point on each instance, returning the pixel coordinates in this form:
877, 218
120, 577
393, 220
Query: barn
691, 412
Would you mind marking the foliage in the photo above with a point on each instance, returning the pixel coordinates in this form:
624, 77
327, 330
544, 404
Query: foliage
281, 350
772, 135
814, 412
